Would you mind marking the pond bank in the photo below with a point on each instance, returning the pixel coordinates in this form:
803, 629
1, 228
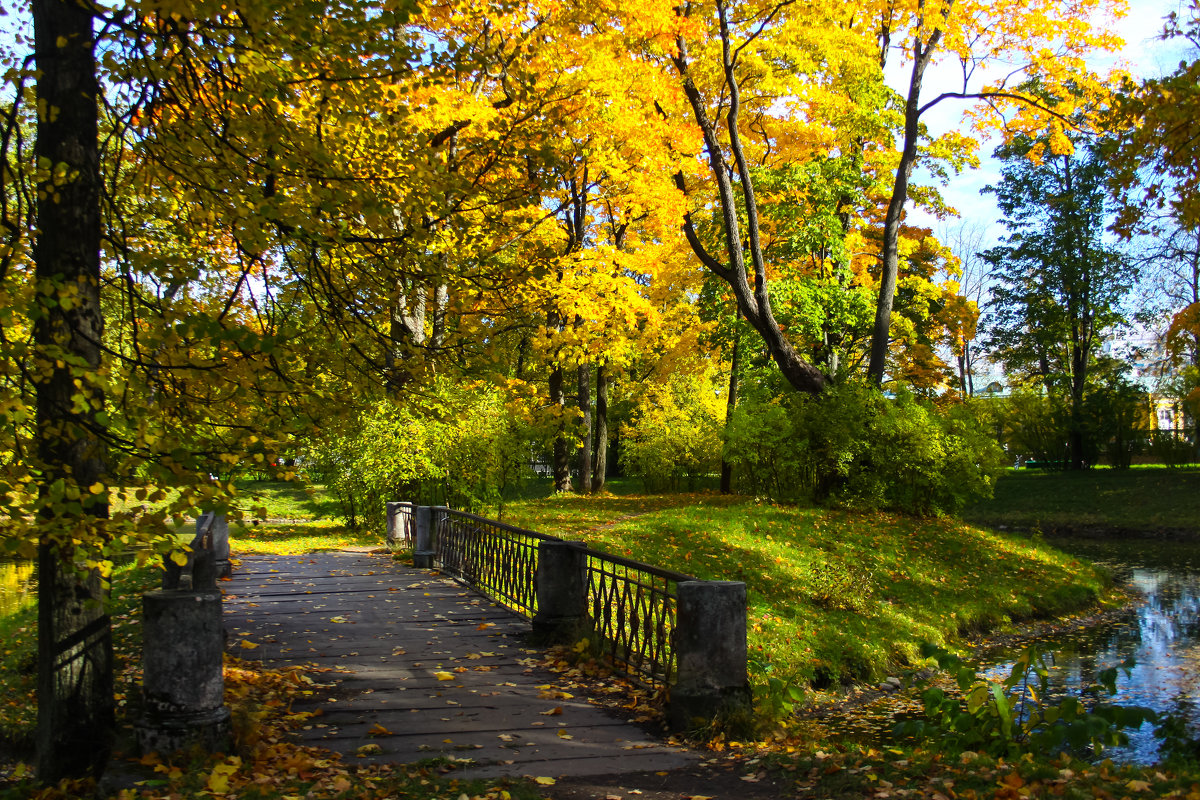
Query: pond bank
1157, 627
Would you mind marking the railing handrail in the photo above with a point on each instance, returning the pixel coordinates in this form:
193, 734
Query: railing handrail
641, 566
495, 523
657, 626
589, 551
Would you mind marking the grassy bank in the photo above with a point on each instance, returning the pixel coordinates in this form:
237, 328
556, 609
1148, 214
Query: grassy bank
1142, 500
834, 596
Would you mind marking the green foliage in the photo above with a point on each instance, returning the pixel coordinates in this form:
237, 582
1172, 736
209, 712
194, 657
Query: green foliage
464, 449
776, 693
1016, 715
1111, 424
674, 438
854, 447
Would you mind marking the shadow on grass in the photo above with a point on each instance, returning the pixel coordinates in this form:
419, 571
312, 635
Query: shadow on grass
839, 597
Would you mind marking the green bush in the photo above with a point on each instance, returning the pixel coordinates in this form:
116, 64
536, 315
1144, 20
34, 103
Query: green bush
464, 448
852, 446
1015, 716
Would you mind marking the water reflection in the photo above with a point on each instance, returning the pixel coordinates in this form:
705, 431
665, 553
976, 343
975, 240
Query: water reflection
18, 585
1162, 634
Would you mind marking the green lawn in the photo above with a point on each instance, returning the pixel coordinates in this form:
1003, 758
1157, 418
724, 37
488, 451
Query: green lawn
1146, 499
834, 596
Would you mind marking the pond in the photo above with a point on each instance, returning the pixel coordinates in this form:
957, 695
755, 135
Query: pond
1161, 633
18, 585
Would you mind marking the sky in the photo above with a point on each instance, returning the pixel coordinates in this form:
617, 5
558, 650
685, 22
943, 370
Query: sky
1143, 55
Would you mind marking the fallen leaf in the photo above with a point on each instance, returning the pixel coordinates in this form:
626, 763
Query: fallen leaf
246, 644
544, 781
379, 730
443, 676
371, 749
554, 712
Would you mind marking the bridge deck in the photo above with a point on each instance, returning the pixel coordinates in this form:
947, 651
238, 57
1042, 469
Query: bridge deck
433, 663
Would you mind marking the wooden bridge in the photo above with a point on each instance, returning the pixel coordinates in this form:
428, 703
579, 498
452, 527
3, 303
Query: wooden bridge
425, 668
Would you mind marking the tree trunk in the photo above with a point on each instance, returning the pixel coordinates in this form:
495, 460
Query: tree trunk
75, 674
890, 268
600, 463
562, 454
585, 409
754, 302
731, 406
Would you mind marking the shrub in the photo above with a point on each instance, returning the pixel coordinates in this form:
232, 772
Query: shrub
852, 446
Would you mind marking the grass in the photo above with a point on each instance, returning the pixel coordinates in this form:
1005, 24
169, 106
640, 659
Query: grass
1146, 500
834, 596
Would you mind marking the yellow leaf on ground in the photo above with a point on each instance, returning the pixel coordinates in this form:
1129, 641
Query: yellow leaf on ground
246, 644
544, 781
443, 676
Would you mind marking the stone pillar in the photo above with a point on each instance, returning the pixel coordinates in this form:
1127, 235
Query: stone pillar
710, 653
219, 543
394, 532
182, 683
561, 587
423, 545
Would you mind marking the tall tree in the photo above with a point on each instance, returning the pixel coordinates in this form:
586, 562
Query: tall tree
75, 673
1044, 39
1059, 284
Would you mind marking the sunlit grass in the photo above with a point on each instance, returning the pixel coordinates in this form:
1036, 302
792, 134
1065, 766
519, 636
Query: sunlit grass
295, 539
834, 596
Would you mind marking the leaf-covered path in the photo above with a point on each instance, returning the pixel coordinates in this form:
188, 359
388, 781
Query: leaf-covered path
423, 668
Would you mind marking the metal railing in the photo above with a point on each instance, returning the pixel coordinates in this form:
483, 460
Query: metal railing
631, 605
497, 559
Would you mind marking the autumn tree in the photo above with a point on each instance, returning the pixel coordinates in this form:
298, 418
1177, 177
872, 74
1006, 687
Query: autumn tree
1156, 175
1044, 39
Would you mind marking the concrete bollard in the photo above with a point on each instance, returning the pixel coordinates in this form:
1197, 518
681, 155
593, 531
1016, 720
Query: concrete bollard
710, 653
423, 545
183, 686
561, 587
208, 559
394, 522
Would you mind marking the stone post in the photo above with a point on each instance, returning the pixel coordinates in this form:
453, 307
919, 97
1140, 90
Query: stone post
561, 587
218, 530
423, 545
710, 653
394, 533
182, 683
208, 559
